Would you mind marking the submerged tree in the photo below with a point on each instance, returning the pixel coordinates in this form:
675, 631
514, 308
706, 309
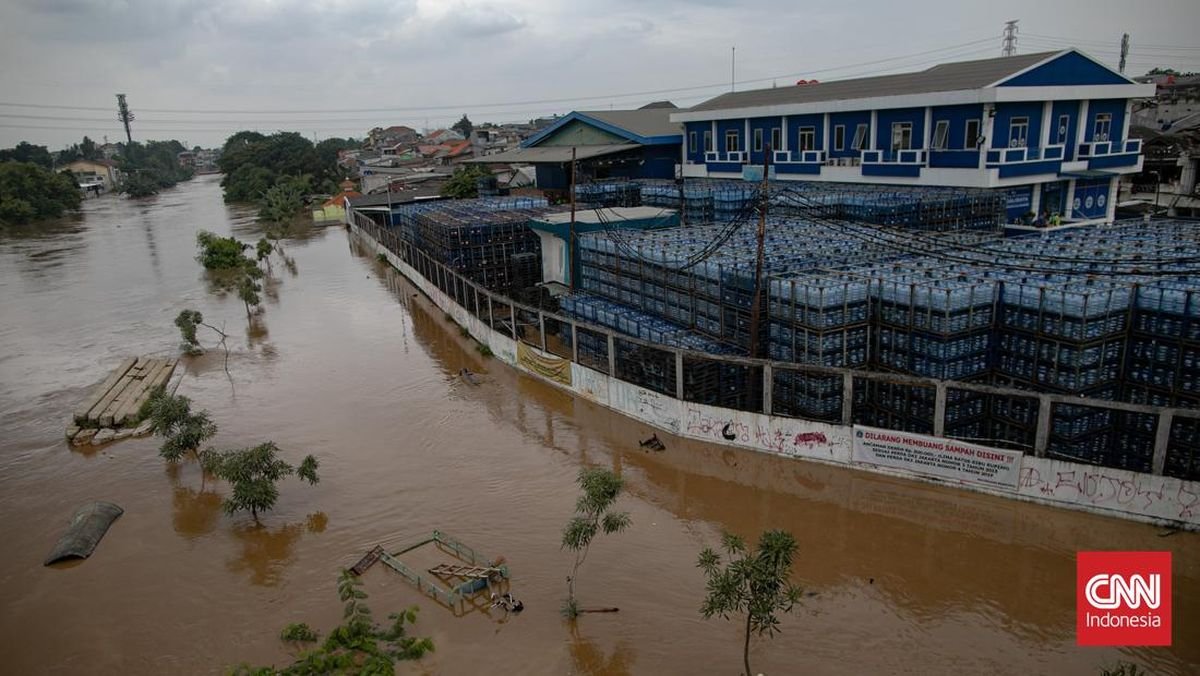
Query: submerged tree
752, 582
593, 514
171, 417
253, 474
357, 646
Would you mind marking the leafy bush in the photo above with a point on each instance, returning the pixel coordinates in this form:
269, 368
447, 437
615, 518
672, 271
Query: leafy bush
220, 253
29, 192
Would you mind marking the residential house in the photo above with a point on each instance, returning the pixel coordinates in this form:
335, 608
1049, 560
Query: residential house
379, 138
642, 143
102, 173
1050, 129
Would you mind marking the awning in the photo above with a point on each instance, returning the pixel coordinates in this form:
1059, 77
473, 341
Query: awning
552, 154
1087, 173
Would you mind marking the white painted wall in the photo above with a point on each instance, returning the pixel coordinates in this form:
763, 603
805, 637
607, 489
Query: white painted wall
1131, 495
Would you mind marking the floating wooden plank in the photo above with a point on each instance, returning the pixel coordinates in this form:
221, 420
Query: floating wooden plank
133, 400
369, 559
107, 416
93, 416
81, 412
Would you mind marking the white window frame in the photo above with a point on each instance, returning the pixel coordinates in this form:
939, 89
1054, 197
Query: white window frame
902, 134
692, 142
860, 141
839, 137
758, 139
806, 132
708, 141
776, 139
1103, 121
731, 139
971, 140
941, 135
1018, 140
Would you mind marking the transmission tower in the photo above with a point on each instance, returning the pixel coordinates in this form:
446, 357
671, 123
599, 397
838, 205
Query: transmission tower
1124, 50
1010, 38
125, 116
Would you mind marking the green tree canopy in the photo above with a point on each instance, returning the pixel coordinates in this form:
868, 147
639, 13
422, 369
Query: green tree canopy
27, 152
752, 582
465, 181
253, 474
463, 126
30, 192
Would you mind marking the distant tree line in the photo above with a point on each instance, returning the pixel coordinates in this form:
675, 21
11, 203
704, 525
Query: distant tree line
30, 192
277, 171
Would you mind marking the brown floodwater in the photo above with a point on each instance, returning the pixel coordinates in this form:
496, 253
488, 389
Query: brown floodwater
348, 363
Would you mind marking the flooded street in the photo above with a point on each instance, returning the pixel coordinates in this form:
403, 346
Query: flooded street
349, 364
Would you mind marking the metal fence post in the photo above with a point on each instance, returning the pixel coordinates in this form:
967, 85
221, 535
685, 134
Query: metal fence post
678, 375
768, 389
1162, 437
542, 329
574, 343
847, 398
512, 313
612, 355
1042, 439
939, 410
491, 322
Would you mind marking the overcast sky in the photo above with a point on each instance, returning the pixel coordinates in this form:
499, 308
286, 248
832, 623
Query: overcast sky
197, 70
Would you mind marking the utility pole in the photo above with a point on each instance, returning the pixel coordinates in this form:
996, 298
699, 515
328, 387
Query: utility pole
732, 67
125, 116
758, 261
571, 227
1010, 38
1124, 51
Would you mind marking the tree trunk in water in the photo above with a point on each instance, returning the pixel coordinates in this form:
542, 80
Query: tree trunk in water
746, 648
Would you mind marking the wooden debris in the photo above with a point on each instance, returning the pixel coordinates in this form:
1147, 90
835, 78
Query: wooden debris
116, 402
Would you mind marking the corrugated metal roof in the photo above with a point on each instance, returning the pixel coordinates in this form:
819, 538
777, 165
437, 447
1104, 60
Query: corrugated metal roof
553, 153
941, 78
643, 122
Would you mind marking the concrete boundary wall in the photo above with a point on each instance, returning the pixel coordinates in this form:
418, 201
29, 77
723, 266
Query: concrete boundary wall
1102, 490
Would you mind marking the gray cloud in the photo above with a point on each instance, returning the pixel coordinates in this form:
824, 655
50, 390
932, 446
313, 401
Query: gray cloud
306, 55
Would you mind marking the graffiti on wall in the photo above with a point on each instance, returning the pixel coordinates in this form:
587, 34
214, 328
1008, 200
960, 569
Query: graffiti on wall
546, 365
785, 437
647, 405
1158, 496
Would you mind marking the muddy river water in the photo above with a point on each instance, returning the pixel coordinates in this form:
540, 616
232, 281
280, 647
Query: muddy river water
349, 364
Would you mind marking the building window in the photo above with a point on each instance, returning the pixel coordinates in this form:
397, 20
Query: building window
807, 138
1064, 123
758, 140
1103, 127
1018, 132
692, 142
708, 146
972, 138
731, 141
839, 137
776, 139
941, 135
901, 136
860, 138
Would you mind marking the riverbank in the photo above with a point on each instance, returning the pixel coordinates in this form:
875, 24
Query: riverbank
349, 365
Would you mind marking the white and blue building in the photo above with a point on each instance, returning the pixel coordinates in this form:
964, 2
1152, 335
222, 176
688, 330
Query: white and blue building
1051, 129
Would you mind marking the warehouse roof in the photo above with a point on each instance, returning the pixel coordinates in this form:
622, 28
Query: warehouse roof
553, 154
940, 78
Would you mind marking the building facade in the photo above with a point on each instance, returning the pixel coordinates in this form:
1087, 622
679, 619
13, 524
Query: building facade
1049, 129
102, 173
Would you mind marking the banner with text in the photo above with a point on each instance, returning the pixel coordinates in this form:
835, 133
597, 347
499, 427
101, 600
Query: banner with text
942, 458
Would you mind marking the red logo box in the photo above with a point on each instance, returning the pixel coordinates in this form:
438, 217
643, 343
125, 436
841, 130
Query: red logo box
1123, 598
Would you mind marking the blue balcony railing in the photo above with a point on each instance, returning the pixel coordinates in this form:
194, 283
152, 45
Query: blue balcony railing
915, 156
798, 157
1001, 156
1092, 149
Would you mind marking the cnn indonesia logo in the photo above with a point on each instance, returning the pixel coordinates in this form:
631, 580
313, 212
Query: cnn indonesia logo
1123, 598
